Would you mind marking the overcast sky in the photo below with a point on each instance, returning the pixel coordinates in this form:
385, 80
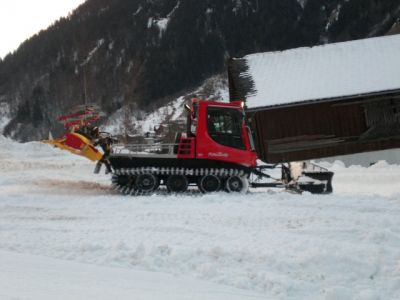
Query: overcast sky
20, 19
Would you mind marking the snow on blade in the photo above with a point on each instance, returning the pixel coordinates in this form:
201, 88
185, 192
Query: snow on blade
328, 71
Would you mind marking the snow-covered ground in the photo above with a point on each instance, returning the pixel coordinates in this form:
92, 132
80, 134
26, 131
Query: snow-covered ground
36, 277
64, 234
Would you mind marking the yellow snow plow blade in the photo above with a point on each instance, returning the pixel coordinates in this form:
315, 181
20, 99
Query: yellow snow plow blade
77, 144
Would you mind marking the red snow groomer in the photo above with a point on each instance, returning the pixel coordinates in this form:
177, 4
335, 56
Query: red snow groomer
216, 152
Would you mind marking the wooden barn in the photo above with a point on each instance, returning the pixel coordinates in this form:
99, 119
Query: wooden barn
324, 101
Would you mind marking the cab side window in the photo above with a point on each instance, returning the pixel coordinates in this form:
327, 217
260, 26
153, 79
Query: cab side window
225, 126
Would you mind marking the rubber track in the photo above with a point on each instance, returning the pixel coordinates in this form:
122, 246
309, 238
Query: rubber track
128, 190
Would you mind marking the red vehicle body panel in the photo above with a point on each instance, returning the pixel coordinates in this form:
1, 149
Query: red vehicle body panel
205, 147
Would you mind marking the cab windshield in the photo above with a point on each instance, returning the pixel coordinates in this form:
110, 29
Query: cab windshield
225, 126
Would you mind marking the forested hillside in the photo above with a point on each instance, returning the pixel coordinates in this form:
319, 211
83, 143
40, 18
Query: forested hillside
143, 53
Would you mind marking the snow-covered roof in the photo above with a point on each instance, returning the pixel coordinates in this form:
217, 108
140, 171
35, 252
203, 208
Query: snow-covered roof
321, 72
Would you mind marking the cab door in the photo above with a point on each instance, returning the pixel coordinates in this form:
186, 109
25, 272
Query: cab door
223, 136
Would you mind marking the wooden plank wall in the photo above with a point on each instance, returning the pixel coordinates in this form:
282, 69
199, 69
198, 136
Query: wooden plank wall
327, 128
